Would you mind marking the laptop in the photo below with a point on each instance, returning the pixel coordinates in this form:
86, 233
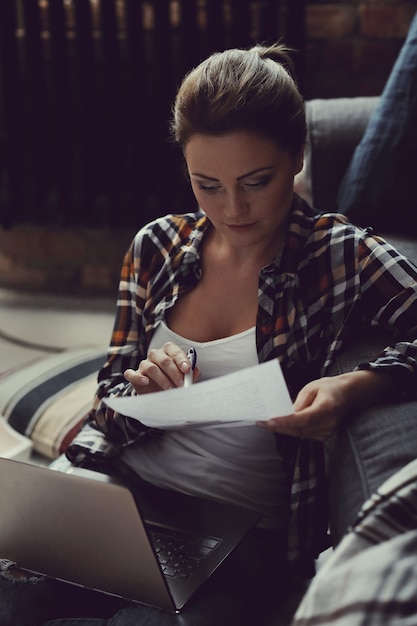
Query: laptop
89, 529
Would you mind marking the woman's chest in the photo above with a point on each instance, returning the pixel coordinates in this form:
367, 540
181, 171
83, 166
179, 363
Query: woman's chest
219, 306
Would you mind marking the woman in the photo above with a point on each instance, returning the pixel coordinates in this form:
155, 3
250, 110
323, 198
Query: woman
255, 274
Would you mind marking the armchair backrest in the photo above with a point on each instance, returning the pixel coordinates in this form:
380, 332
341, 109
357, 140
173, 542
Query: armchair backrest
335, 127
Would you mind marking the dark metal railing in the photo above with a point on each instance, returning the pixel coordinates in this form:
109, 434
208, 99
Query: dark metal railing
86, 88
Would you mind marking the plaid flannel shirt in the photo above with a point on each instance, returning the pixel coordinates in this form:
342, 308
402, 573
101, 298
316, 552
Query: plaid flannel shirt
329, 277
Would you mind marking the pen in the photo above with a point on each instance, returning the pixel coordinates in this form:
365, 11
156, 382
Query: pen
192, 357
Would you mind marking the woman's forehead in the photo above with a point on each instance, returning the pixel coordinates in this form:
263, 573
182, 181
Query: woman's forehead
242, 149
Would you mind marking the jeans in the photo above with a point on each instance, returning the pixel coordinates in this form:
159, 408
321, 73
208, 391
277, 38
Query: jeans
368, 449
378, 188
32, 602
77, 622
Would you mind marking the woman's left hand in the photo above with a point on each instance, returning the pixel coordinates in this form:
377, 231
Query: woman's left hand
322, 404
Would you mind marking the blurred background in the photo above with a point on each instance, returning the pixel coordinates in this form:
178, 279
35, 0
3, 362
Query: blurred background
86, 88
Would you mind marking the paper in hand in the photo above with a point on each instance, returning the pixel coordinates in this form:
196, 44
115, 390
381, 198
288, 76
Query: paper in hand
241, 398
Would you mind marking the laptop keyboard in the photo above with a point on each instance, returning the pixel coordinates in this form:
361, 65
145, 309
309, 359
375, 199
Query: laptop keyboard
180, 553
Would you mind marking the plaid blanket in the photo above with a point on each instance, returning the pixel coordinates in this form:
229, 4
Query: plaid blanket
371, 578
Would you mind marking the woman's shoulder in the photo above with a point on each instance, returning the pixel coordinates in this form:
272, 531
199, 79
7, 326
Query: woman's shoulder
177, 221
314, 233
346, 240
315, 224
337, 225
171, 228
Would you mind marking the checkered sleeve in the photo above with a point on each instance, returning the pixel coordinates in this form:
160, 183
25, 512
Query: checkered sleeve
105, 431
389, 294
157, 256
371, 578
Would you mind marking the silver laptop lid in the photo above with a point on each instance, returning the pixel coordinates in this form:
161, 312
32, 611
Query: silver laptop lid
78, 530
93, 532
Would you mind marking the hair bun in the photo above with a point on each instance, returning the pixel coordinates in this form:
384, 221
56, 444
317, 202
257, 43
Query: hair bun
278, 52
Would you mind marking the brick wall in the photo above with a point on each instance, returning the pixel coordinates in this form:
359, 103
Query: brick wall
351, 46
79, 262
350, 50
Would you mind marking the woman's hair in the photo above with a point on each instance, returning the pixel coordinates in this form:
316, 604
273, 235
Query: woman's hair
250, 90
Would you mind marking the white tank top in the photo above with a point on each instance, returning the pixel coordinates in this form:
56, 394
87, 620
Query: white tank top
239, 465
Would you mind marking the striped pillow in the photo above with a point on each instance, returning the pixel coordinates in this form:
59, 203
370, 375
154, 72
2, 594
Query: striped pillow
48, 399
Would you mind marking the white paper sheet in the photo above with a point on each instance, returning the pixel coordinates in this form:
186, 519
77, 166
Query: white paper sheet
253, 394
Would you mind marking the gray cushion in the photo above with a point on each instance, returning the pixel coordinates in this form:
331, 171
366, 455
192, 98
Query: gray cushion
335, 126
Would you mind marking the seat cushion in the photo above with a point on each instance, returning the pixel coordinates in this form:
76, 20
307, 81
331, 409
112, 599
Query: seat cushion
47, 399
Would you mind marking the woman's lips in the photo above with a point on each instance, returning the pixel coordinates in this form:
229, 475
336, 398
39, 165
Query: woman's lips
240, 227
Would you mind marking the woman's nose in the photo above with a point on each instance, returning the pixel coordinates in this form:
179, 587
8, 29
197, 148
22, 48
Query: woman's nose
236, 203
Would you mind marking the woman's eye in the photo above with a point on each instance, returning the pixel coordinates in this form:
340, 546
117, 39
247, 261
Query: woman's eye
257, 184
208, 188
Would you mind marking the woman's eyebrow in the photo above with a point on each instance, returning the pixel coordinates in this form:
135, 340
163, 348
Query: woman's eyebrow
257, 171
204, 176
251, 173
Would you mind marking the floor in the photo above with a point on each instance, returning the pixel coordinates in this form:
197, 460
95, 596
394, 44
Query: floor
34, 324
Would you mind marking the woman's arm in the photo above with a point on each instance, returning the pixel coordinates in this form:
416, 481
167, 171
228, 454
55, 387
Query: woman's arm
388, 296
127, 348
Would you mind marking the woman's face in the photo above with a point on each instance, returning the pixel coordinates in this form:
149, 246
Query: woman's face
244, 184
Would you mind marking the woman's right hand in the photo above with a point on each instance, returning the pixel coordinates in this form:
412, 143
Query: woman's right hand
164, 368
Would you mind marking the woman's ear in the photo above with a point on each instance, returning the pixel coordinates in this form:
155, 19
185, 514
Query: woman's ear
299, 161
